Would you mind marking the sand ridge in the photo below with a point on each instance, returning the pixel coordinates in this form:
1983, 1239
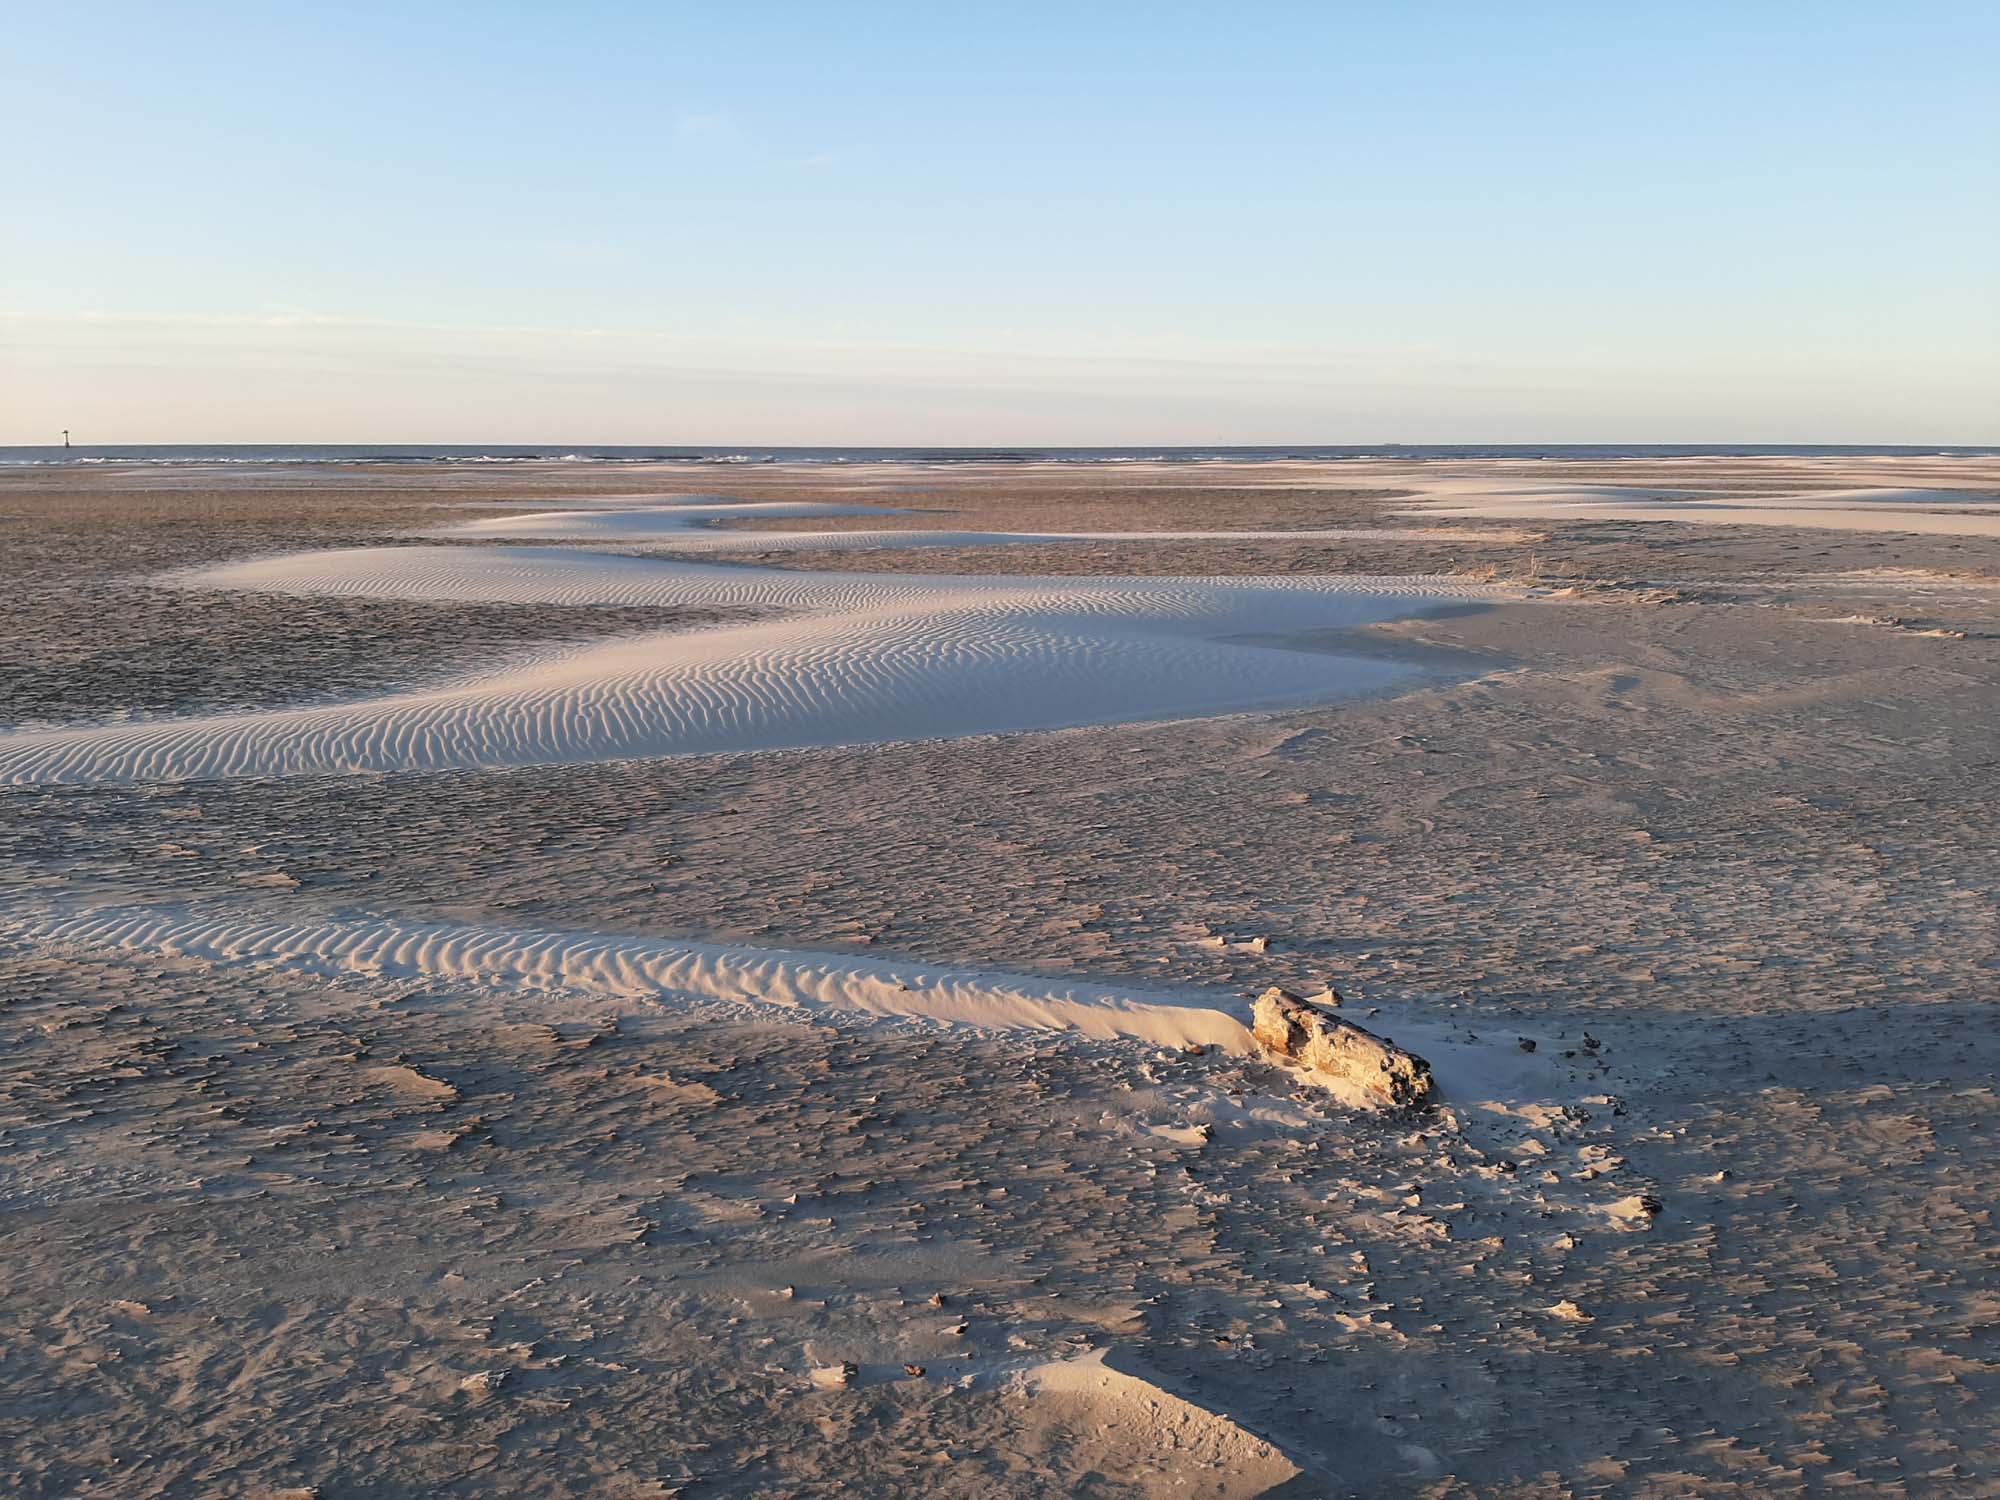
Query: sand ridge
610, 965
851, 658
1478, 1082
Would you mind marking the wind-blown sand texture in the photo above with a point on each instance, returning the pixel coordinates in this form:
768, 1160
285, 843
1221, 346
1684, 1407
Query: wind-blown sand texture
824, 1120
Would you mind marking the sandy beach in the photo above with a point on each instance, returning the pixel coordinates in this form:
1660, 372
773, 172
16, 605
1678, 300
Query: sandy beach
628, 980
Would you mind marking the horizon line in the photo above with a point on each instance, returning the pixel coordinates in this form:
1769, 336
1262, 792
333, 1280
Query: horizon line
1000, 447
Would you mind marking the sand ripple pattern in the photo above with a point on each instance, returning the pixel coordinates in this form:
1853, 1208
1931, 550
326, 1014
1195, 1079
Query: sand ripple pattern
644, 968
851, 658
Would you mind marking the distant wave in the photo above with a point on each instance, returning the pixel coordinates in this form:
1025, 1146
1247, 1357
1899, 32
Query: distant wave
306, 453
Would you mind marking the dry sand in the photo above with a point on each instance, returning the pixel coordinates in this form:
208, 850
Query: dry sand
332, 1166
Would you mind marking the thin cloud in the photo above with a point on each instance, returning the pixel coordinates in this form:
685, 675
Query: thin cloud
704, 127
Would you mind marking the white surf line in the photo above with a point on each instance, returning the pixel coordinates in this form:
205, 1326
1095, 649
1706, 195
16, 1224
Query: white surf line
1921, 512
643, 968
859, 659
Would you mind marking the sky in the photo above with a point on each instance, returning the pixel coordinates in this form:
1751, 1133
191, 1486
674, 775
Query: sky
1107, 223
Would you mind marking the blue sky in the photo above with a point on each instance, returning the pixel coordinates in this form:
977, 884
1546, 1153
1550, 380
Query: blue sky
1026, 223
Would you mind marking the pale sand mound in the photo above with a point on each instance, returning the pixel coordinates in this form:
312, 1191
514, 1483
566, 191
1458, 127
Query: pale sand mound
1128, 1424
862, 659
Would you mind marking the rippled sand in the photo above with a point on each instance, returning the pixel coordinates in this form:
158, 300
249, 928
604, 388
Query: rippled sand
851, 659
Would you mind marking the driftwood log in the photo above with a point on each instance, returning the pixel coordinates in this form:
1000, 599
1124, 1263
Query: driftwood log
1349, 1056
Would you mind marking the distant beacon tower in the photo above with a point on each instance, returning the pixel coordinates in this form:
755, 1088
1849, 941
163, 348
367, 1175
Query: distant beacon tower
65, 437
